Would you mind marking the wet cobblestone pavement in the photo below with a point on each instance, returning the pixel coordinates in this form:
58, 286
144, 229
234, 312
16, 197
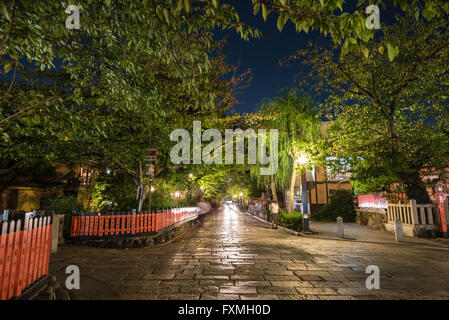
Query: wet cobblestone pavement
233, 256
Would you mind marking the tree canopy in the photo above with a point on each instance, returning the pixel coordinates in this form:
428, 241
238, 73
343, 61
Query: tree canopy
390, 117
103, 94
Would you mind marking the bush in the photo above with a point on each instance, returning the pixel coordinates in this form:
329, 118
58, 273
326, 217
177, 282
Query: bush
291, 221
64, 205
340, 205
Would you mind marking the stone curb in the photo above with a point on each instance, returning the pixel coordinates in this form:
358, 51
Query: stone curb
164, 236
50, 290
311, 236
296, 233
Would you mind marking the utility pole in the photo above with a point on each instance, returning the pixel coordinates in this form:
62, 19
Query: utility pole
150, 174
151, 159
140, 198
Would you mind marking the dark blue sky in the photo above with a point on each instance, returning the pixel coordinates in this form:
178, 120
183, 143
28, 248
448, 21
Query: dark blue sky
263, 55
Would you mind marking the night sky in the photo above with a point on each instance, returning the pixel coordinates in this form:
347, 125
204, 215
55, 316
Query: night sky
263, 55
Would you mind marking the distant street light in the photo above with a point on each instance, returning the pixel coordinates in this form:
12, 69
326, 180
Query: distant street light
303, 159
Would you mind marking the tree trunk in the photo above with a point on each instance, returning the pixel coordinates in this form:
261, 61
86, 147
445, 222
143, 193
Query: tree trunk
273, 190
291, 191
415, 188
417, 192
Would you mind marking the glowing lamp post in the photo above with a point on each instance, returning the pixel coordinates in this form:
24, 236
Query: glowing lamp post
302, 160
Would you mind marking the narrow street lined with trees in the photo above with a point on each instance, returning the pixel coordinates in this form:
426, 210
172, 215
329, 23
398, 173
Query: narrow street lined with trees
100, 99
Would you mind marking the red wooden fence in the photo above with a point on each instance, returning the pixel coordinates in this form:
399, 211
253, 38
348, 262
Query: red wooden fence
24, 254
108, 224
371, 201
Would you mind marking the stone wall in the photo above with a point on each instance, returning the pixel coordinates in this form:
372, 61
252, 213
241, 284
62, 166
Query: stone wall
375, 219
417, 231
154, 239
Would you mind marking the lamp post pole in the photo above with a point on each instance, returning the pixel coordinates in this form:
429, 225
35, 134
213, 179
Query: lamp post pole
151, 159
302, 160
149, 193
150, 174
305, 209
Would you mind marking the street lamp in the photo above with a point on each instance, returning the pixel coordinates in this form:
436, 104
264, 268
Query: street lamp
303, 159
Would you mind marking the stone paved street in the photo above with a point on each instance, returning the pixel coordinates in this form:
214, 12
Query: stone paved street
233, 256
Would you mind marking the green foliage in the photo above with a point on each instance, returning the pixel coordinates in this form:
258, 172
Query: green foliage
132, 73
347, 29
64, 205
114, 192
390, 117
292, 113
340, 205
292, 221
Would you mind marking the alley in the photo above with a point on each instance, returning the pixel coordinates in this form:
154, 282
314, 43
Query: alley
233, 256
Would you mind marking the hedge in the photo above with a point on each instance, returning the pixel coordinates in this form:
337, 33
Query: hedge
340, 205
291, 221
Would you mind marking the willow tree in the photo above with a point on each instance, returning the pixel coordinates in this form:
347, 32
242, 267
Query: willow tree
293, 115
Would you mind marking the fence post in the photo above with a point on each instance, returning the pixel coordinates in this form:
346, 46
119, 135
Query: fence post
101, 225
73, 225
86, 223
107, 219
82, 223
22, 274
153, 221
38, 248
444, 212
133, 223
398, 232
95, 224
42, 246
414, 209
15, 259
91, 223
7, 245
429, 213
48, 233
55, 234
